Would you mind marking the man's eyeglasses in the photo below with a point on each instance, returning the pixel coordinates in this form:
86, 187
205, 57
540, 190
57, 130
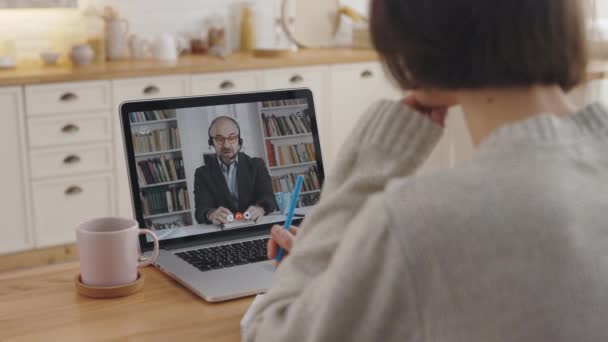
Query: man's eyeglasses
218, 139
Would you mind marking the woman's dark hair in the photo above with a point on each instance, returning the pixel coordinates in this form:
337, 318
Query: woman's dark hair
455, 44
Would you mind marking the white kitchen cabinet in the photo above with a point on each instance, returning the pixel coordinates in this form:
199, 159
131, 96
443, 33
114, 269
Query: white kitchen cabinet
70, 129
61, 204
353, 88
137, 89
14, 230
68, 97
225, 82
316, 79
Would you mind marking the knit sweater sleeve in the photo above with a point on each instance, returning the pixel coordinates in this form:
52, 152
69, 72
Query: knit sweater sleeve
345, 228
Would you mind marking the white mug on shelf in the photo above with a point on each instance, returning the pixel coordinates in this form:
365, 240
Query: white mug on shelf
166, 48
140, 48
117, 31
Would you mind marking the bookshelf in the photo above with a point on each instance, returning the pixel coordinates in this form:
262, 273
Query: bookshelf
160, 169
288, 147
291, 166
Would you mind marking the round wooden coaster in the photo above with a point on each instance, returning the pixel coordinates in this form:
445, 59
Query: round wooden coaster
110, 291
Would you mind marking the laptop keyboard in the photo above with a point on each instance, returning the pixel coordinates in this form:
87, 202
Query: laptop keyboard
213, 258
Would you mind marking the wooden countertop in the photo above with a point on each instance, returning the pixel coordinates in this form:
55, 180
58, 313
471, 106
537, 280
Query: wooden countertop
42, 305
36, 74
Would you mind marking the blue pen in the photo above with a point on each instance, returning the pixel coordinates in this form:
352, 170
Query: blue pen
292, 210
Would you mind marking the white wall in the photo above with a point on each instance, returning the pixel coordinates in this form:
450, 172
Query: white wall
602, 8
36, 30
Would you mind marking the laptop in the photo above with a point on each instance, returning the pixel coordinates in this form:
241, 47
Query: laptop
212, 174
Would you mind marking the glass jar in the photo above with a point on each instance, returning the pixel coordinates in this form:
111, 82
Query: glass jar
247, 29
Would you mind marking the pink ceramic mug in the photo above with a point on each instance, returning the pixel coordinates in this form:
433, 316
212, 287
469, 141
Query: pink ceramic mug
109, 251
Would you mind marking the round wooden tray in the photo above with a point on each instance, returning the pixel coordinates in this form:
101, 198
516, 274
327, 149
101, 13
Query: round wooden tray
110, 291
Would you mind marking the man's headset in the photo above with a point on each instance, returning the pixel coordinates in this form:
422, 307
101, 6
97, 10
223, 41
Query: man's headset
210, 141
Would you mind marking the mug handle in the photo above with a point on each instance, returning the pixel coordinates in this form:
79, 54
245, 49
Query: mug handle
148, 261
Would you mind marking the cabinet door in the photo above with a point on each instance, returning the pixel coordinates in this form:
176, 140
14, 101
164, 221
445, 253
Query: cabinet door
353, 88
14, 229
314, 78
61, 204
137, 89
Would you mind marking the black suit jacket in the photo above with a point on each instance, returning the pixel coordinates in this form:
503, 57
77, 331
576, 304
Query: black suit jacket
211, 190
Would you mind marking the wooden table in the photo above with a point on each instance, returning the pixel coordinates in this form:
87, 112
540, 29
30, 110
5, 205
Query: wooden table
42, 305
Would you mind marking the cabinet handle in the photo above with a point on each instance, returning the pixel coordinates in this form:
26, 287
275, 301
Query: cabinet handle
296, 79
70, 128
367, 74
227, 85
71, 159
151, 89
73, 190
68, 97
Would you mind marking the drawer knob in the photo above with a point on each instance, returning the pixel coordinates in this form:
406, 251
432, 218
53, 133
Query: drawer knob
227, 85
71, 159
68, 97
151, 90
70, 128
73, 190
367, 74
296, 79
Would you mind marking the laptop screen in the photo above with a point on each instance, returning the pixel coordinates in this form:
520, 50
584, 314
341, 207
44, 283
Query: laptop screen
212, 168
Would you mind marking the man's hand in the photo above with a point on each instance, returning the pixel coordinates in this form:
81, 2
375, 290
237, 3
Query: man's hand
255, 212
281, 238
219, 216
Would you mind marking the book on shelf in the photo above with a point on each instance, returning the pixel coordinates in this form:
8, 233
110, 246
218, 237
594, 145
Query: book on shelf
286, 182
281, 103
277, 126
153, 115
161, 201
157, 140
160, 170
292, 154
270, 153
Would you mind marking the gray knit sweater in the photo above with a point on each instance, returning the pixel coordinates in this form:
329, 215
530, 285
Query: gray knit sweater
510, 246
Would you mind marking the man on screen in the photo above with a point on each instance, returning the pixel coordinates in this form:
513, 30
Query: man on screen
232, 181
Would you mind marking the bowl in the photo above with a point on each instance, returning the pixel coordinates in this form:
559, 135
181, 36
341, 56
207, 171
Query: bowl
49, 57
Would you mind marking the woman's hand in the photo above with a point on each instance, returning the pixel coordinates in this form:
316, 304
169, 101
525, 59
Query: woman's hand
435, 107
281, 238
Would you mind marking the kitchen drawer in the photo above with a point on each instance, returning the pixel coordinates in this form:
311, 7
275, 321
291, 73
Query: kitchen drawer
70, 160
225, 82
150, 88
69, 129
60, 205
72, 97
